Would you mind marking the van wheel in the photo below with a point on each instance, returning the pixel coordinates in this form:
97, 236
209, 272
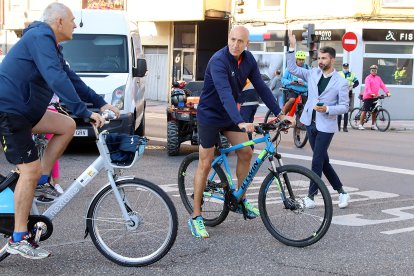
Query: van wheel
173, 142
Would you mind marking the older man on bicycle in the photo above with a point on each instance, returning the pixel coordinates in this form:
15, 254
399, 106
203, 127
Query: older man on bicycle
30, 73
295, 85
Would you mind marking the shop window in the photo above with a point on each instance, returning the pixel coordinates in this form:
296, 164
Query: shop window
395, 71
184, 35
269, 4
256, 46
397, 4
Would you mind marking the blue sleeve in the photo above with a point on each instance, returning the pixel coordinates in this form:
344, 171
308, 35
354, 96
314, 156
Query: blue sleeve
356, 83
285, 79
221, 83
45, 56
263, 90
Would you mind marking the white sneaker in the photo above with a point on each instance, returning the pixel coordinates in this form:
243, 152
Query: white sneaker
59, 188
308, 203
361, 127
374, 127
343, 200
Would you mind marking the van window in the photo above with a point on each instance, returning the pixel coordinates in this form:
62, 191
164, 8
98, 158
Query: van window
97, 53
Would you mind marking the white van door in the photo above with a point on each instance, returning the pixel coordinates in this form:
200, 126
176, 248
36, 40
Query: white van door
157, 78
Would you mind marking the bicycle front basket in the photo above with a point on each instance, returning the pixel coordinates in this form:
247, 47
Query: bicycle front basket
122, 147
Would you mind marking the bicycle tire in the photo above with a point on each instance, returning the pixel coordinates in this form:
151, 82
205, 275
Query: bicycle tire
300, 135
154, 219
213, 210
383, 120
298, 226
354, 117
3, 245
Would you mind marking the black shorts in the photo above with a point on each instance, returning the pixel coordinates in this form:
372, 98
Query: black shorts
369, 104
209, 136
16, 139
291, 94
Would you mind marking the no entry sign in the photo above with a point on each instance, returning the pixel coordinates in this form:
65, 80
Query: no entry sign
349, 41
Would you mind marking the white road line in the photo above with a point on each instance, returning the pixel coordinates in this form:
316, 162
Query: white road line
333, 161
398, 231
352, 164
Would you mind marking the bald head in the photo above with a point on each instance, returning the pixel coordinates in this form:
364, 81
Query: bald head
238, 40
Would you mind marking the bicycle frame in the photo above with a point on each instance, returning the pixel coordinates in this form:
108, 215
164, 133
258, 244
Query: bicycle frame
101, 163
267, 152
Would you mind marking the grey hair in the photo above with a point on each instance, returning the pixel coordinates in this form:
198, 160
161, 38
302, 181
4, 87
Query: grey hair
53, 12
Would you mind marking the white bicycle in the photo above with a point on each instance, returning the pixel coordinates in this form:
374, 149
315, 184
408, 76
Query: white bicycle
132, 222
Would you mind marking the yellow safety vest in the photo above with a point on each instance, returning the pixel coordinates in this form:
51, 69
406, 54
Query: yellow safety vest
350, 78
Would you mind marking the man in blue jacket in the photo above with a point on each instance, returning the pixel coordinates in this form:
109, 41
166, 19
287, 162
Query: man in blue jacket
30, 73
225, 77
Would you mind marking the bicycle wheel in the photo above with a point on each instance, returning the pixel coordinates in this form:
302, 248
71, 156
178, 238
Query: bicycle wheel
354, 117
3, 246
149, 234
383, 120
290, 222
300, 135
213, 209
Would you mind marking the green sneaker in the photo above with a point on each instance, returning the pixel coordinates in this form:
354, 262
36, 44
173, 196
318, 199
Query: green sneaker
252, 212
197, 227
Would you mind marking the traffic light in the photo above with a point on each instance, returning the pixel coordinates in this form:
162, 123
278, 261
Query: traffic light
307, 34
314, 46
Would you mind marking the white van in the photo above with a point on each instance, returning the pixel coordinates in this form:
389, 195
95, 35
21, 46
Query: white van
108, 58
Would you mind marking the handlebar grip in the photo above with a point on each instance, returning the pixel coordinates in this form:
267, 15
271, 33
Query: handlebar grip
243, 129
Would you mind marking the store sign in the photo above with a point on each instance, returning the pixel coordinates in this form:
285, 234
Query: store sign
105, 4
387, 35
326, 35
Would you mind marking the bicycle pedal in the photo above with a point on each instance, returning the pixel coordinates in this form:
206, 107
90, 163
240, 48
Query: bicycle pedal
44, 199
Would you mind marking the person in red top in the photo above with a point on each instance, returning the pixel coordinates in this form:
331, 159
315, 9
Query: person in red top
373, 83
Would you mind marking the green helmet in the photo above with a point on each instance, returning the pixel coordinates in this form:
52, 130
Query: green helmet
300, 55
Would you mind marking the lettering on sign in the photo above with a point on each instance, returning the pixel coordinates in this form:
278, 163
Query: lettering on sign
325, 34
387, 35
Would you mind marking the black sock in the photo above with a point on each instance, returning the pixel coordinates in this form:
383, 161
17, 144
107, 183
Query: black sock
341, 190
194, 218
310, 196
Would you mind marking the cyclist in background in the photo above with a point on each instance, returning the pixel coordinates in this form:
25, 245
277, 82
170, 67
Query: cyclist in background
295, 85
30, 73
373, 83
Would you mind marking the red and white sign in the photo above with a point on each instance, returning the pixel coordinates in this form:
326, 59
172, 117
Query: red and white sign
349, 41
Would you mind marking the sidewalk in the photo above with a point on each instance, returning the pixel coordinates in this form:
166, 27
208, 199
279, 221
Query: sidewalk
161, 107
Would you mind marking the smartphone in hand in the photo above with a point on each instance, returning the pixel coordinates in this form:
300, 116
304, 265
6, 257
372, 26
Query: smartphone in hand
320, 104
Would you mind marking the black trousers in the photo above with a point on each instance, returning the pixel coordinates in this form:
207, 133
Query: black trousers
345, 120
320, 142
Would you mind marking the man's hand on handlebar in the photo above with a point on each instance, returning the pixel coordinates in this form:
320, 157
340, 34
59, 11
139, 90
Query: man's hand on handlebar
97, 120
112, 108
289, 119
247, 127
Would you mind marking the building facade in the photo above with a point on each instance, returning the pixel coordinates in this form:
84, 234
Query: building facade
384, 30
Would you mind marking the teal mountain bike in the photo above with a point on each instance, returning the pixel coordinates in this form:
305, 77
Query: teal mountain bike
281, 195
